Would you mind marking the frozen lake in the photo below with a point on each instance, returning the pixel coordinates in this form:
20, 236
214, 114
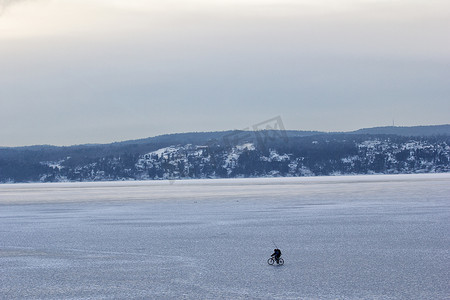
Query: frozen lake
351, 237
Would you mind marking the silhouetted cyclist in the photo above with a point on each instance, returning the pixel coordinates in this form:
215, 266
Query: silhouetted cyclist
276, 254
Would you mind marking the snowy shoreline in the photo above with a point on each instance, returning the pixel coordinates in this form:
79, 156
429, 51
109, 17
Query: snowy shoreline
154, 190
247, 180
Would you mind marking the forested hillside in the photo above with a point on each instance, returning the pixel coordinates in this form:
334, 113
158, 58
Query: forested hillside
229, 154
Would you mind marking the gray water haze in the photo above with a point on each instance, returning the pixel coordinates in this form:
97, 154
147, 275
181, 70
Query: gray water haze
350, 237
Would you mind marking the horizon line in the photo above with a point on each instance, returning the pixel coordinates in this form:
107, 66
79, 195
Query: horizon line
215, 131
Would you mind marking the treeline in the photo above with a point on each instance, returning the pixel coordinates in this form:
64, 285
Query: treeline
228, 155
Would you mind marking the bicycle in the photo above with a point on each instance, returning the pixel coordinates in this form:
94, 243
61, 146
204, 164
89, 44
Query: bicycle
272, 260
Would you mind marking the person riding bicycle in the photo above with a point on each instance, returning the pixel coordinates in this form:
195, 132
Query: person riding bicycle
276, 254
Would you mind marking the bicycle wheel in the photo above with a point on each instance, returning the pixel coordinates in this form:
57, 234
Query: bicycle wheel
281, 261
270, 261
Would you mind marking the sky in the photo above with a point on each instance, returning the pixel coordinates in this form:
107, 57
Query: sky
100, 71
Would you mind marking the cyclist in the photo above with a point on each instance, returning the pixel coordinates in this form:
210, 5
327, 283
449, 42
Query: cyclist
276, 254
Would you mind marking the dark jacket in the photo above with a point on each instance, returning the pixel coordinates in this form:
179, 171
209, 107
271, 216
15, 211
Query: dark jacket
276, 253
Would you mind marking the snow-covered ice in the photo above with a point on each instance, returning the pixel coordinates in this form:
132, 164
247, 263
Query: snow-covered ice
344, 237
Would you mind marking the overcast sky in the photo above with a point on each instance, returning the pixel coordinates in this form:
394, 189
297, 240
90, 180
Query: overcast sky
98, 71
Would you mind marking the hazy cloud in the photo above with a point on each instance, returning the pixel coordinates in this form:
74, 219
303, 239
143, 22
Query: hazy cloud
138, 68
5, 4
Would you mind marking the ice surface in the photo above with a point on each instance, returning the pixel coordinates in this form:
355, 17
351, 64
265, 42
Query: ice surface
350, 237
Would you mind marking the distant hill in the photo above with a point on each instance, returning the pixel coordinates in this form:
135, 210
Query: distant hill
407, 131
229, 154
204, 137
